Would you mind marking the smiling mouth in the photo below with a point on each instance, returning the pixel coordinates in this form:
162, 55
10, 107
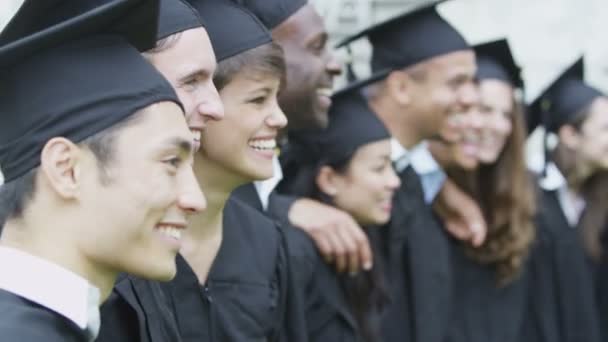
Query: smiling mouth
170, 231
263, 145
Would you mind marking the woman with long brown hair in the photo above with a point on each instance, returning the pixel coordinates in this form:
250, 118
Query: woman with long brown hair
574, 180
512, 287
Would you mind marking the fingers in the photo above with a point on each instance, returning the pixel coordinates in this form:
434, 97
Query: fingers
338, 250
479, 232
349, 244
324, 246
364, 250
458, 230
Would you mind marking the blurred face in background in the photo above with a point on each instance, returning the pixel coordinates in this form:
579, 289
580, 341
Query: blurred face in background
497, 106
366, 187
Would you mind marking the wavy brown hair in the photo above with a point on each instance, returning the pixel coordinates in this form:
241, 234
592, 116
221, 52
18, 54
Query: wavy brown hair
594, 221
505, 193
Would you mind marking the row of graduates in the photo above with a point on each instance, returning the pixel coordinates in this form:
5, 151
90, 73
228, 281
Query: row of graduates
257, 264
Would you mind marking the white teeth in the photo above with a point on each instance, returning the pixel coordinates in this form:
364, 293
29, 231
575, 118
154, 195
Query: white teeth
269, 144
325, 91
171, 232
196, 135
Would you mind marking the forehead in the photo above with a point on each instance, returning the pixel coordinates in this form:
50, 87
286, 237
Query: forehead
192, 50
156, 123
302, 25
453, 64
496, 92
599, 111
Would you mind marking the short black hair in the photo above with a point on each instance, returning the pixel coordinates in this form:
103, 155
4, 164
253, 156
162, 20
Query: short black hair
15, 195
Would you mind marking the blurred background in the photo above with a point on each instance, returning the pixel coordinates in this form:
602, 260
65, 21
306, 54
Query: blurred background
546, 35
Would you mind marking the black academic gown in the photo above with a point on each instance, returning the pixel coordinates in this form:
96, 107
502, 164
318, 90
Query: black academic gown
137, 310
24, 321
244, 298
417, 264
327, 315
601, 283
561, 297
481, 310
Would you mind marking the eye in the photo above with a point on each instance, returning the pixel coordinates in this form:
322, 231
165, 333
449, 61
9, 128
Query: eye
174, 162
258, 100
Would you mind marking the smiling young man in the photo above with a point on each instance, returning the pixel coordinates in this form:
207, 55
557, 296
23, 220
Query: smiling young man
112, 128
422, 83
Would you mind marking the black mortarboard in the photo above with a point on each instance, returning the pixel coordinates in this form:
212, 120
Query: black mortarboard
176, 16
51, 21
562, 100
74, 89
273, 12
408, 39
352, 124
495, 61
231, 27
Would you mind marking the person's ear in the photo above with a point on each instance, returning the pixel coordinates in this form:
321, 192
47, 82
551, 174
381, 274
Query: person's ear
569, 136
60, 164
398, 85
327, 180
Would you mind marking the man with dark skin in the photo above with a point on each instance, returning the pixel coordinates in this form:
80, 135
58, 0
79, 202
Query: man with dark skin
305, 100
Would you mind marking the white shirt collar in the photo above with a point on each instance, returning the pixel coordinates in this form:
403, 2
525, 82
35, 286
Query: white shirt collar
51, 286
432, 176
399, 155
422, 160
266, 187
571, 205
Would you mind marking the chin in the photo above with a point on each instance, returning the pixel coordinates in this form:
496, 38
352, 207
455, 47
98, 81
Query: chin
258, 174
158, 273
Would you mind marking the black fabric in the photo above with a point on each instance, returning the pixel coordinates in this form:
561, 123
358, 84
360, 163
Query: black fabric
90, 85
481, 310
248, 194
273, 12
137, 310
410, 38
326, 313
231, 27
561, 300
245, 297
601, 286
495, 61
563, 99
25, 321
417, 264
176, 16
38, 25
352, 124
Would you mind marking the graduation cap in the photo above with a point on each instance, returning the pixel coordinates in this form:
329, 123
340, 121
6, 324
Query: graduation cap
77, 87
232, 28
176, 16
272, 12
352, 124
495, 61
562, 100
41, 24
408, 39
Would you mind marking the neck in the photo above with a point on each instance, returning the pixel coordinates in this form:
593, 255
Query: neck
202, 241
440, 153
576, 172
58, 248
391, 116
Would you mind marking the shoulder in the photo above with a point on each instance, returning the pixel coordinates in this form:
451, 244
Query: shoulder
24, 321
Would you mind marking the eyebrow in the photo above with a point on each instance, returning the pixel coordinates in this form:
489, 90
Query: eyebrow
183, 145
195, 72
